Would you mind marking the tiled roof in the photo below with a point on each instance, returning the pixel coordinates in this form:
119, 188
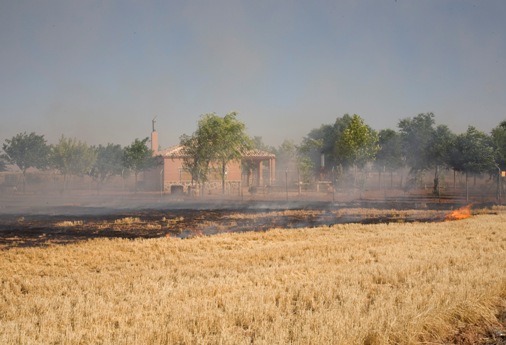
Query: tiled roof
172, 152
259, 154
177, 152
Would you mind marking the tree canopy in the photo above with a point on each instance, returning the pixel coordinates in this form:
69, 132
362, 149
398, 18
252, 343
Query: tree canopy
26, 151
109, 163
217, 140
323, 140
72, 157
358, 143
138, 157
416, 134
473, 152
389, 156
499, 142
426, 146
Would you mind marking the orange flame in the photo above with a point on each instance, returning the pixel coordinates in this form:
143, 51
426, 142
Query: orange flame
460, 213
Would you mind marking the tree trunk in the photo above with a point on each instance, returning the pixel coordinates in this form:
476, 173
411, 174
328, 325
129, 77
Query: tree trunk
467, 188
24, 181
436, 181
223, 173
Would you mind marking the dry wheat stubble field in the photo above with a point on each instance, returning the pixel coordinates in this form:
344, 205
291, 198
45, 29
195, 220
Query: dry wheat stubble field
402, 283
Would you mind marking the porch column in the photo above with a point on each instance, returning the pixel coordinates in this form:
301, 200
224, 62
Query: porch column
260, 174
272, 170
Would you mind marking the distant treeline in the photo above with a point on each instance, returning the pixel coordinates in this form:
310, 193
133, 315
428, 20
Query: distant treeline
348, 146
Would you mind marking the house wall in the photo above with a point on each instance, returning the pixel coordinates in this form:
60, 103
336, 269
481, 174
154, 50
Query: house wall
173, 171
174, 174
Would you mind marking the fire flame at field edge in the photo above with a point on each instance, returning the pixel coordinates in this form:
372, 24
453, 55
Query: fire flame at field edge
460, 213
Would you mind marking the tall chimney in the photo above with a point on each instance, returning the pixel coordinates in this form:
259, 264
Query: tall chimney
154, 139
154, 142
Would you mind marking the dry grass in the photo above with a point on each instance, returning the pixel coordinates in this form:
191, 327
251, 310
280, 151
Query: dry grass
69, 223
128, 221
402, 283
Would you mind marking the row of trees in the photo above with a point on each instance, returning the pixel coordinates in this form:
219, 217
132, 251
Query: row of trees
419, 144
348, 144
72, 157
351, 145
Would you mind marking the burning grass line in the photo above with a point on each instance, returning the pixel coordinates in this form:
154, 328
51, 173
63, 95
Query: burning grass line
460, 213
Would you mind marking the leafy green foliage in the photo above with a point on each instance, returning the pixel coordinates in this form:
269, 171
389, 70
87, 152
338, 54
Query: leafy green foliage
231, 142
72, 157
26, 151
109, 163
217, 140
358, 143
473, 152
416, 134
323, 141
138, 157
389, 156
440, 145
499, 142
425, 146
439, 152
196, 157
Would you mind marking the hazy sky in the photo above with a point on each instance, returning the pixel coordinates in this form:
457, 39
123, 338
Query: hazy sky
101, 70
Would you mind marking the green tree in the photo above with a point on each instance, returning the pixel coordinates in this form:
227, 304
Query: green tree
426, 146
72, 157
322, 141
218, 140
438, 152
231, 142
472, 153
138, 157
358, 144
26, 151
389, 156
499, 141
416, 134
318, 142
196, 158
109, 163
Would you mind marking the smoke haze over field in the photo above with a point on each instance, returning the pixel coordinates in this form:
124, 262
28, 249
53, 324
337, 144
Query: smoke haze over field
100, 71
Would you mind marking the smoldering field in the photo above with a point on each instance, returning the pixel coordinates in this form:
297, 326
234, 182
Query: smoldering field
397, 282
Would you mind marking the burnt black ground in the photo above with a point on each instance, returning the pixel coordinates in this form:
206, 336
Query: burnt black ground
32, 219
